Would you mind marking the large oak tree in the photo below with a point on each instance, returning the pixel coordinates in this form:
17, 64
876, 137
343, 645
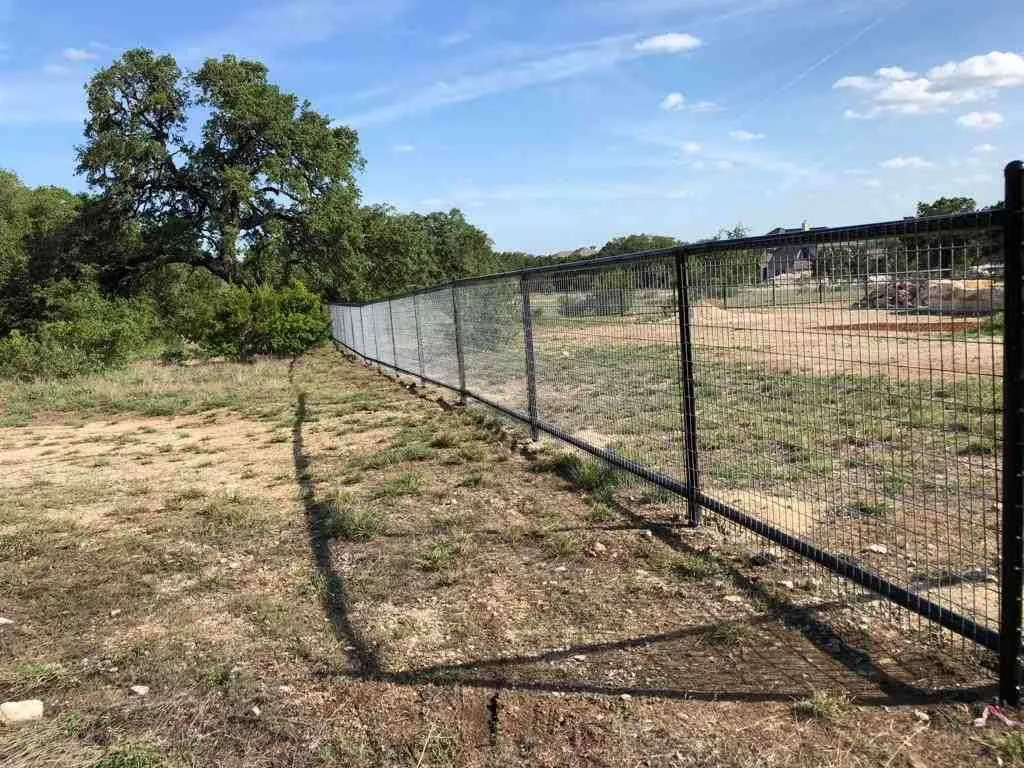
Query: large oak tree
210, 166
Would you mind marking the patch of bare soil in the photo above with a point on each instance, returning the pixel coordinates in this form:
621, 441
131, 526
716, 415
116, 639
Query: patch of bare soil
450, 606
823, 340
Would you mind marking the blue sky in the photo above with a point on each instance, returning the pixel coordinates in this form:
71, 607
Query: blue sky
564, 123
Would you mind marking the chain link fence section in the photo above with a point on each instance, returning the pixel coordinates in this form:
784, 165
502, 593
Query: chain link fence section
838, 392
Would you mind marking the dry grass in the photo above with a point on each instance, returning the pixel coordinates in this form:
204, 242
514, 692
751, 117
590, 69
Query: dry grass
303, 601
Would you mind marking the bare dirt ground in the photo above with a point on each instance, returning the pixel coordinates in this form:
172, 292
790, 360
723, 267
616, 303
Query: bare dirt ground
824, 340
336, 572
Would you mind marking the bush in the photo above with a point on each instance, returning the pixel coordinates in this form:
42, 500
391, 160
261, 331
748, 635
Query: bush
83, 333
245, 322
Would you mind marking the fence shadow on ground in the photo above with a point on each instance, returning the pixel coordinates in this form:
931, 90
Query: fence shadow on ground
795, 651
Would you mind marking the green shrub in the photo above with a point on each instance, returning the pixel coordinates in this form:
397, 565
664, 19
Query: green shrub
83, 332
244, 322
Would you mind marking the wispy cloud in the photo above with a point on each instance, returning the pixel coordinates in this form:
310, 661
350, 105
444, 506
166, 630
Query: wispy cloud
275, 27
741, 135
40, 97
691, 148
983, 148
894, 90
671, 42
78, 54
673, 102
404, 148
547, 67
905, 162
981, 121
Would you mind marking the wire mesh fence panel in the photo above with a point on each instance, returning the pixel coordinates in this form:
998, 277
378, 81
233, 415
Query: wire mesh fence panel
403, 318
607, 352
358, 332
493, 351
867, 424
384, 340
337, 314
370, 332
437, 336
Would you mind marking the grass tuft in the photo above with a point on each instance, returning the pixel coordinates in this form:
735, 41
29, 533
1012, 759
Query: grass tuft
822, 706
346, 521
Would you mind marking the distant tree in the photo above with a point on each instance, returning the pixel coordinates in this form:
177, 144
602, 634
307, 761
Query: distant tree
946, 206
262, 173
636, 243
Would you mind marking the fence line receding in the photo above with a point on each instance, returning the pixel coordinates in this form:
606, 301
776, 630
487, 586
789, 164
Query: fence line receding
838, 391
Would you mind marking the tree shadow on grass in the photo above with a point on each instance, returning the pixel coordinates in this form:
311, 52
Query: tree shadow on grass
793, 650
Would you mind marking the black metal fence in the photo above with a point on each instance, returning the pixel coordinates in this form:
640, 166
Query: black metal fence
853, 395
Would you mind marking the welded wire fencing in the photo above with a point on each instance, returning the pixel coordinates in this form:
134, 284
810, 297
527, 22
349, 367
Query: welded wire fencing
853, 395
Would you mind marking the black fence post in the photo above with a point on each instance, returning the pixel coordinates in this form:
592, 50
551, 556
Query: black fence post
531, 375
391, 322
419, 335
1012, 581
689, 393
458, 345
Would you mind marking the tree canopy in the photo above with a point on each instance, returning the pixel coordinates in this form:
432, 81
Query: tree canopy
262, 172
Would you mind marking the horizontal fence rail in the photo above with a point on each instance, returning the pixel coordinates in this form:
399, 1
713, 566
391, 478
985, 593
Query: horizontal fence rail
854, 395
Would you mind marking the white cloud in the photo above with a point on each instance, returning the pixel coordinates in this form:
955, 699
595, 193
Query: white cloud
982, 148
77, 54
981, 121
404, 148
673, 102
676, 102
894, 90
691, 148
997, 69
910, 161
895, 73
742, 135
671, 42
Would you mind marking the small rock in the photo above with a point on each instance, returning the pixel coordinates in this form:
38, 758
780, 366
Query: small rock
788, 584
764, 557
625, 697
255, 710
115, 612
647, 534
140, 690
922, 716
879, 549
14, 712
579, 657
561, 569
285, 689
4, 621
598, 548
733, 599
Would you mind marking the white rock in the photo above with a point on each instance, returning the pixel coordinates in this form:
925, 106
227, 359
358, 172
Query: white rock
115, 612
285, 688
922, 716
140, 690
625, 697
14, 712
733, 599
561, 569
647, 534
579, 657
788, 584
4, 621
598, 547
255, 710
879, 549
